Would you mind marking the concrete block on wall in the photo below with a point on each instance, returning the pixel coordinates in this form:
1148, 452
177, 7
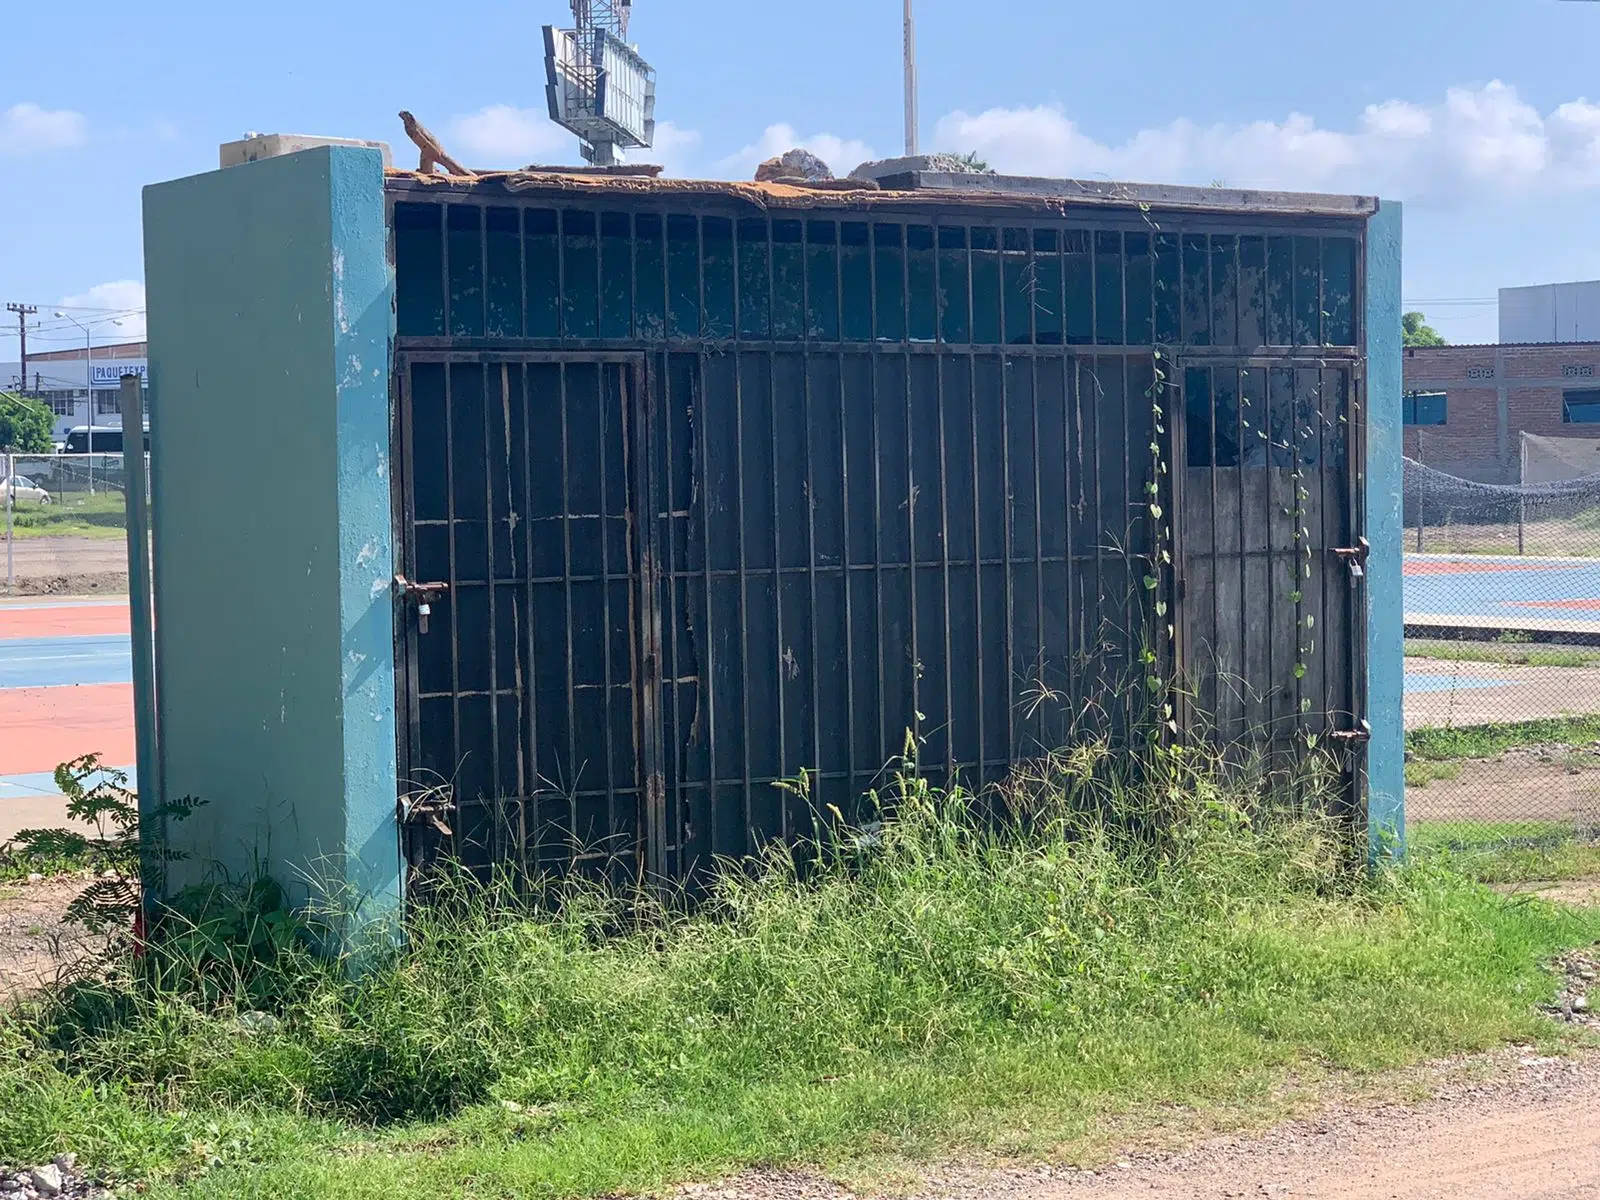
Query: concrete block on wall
270, 316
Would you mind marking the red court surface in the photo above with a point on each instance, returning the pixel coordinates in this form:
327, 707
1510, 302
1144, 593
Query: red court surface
40, 728
63, 620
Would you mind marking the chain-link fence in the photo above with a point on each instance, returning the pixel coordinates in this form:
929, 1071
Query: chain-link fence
64, 525
1502, 672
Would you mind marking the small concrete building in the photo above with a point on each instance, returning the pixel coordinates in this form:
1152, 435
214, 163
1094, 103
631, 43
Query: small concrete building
618, 502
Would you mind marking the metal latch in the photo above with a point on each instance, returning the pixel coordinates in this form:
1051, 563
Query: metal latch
428, 808
1359, 736
1354, 558
421, 596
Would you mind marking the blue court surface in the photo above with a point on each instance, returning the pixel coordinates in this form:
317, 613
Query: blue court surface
1449, 683
1526, 593
65, 661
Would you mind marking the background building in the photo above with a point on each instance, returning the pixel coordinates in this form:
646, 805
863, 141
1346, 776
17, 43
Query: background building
1551, 312
78, 390
1467, 407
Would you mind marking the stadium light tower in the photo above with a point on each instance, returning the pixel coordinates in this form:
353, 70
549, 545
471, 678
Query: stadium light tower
598, 86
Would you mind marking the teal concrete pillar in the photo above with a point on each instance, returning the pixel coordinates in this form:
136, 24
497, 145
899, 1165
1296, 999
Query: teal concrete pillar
1385, 479
270, 322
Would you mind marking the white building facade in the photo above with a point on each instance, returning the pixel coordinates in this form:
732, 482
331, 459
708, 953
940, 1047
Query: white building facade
75, 395
1551, 312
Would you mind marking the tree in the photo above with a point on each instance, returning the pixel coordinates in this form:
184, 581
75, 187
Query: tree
1414, 331
25, 425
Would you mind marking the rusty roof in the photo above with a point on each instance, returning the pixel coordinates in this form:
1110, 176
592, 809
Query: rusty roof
1045, 197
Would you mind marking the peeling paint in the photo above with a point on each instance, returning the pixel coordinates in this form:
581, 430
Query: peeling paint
339, 312
367, 554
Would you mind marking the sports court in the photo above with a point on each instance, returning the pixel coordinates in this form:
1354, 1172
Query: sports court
66, 690
1475, 591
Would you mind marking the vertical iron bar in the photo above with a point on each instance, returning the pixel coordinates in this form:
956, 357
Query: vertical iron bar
455, 590
944, 516
777, 543
844, 531
489, 536
977, 546
1215, 632
811, 483
877, 503
572, 783
1246, 684
444, 279
744, 573
603, 381
522, 282
911, 502
483, 282
708, 689
1038, 541
526, 675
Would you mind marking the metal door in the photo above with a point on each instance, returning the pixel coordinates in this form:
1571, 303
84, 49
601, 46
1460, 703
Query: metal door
526, 632
1270, 528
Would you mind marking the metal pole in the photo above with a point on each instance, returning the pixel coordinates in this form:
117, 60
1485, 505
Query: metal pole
1522, 489
911, 81
11, 529
88, 390
1422, 491
141, 611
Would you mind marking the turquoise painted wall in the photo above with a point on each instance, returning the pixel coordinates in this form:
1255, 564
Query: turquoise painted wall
1386, 801
270, 322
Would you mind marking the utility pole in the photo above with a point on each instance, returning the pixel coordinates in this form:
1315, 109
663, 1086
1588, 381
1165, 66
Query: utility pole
911, 81
23, 311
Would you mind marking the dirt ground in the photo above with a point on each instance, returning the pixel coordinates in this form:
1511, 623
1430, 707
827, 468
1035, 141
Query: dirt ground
36, 946
1521, 693
1536, 783
68, 566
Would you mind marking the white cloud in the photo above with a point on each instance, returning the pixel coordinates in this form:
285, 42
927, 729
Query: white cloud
842, 154
25, 128
505, 136
122, 300
1475, 141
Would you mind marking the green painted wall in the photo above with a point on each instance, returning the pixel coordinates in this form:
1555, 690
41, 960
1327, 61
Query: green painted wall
270, 323
1386, 796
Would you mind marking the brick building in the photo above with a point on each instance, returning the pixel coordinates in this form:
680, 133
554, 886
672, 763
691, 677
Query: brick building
1466, 407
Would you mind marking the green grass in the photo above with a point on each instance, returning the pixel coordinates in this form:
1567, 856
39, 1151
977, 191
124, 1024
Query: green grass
16, 864
1484, 741
943, 985
1507, 654
74, 514
1508, 851
1421, 772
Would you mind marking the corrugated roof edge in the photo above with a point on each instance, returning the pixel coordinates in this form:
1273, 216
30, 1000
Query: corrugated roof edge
917, 189
1505, 346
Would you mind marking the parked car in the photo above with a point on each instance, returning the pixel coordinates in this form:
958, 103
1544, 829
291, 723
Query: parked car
23, 491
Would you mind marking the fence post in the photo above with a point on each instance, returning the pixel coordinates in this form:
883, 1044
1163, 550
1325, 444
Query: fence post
1422, 491
1522, 492
141, 606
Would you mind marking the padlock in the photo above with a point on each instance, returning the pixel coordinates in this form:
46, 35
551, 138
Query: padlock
423, 612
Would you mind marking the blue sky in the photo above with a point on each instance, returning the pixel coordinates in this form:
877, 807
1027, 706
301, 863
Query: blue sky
1475, 112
